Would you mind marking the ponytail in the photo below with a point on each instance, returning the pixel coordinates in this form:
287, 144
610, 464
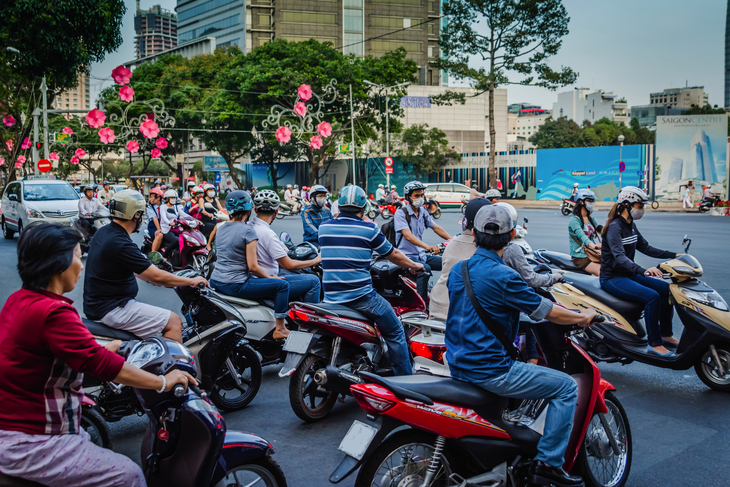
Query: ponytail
614, 213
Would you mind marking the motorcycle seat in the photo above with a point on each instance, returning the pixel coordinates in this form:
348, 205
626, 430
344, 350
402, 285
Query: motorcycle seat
7, 481
102, 331
591, 286
247, 303
339, 310
561, 260
441, 389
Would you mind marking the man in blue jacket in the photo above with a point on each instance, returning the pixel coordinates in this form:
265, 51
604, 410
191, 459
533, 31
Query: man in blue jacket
316, 213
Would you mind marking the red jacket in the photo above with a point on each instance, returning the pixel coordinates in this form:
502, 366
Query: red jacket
45, 350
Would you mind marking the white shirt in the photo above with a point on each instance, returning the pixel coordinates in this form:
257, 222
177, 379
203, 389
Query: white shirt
335, 208
287, 195
88, 206
269, 248
295, 193
167, 218
105, 196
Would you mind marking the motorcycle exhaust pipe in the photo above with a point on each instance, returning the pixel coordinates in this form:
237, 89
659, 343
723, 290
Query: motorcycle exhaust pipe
335, 379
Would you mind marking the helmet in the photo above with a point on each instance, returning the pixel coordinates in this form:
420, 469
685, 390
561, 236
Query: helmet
170, 193
238, 201
126, 203
317, 188
392, 186
510, 209
582, 194
91, 187
106, 182
288, 185
632, 194
353, 197
412, 186
157, 191
576, 185
267, 200
191, 183
157, 182
296, 185
208, 186
380, 185
493, 193
198, 189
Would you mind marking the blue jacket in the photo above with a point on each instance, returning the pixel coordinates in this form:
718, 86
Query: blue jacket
312, 217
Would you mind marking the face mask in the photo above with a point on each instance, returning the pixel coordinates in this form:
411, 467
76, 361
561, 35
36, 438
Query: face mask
173, 201
589, 207
210, 193
138, 221
321, 201
418, 202
637, 213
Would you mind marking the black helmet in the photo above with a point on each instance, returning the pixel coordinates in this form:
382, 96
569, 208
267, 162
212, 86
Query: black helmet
238, 201
411, 187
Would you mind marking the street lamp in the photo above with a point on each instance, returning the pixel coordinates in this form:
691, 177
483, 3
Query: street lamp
387, 118
620, 157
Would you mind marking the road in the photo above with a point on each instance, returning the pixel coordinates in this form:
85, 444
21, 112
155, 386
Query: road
679, 426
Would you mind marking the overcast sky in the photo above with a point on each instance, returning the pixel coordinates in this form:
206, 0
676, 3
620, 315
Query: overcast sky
629, 47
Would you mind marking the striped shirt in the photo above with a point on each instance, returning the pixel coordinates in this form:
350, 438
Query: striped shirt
347, 244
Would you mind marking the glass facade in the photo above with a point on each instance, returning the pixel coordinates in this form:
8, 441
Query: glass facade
394, 22
393, 45
309, 17
208, 29
353, 28
399, 2
200, 9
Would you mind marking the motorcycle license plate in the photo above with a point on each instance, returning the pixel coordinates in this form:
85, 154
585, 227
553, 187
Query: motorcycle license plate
357, 440
298, 342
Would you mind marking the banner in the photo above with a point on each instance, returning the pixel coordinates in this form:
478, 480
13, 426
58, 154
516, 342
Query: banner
690, 148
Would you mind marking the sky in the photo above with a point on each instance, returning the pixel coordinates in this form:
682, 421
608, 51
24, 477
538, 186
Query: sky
628, 47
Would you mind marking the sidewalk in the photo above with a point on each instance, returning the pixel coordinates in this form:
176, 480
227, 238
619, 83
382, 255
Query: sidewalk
664, 206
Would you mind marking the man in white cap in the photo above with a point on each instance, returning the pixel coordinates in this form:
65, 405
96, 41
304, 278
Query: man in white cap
380, 194
289, 198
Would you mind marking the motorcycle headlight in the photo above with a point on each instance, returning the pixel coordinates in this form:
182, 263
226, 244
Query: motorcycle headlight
191, 240
711, 298
144, 352
33, 213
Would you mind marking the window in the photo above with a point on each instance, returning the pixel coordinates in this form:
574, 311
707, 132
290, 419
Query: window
430, 51
309, 18
399, 2
432, 29
264, 20
207, 6
395, 23
353, 3
353, 20
393, 45
353, 44
263, 40
432, 7
208, 29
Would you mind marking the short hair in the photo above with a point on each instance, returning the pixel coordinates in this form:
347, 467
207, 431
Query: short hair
262, 212
44, 250
351, 209
492, 242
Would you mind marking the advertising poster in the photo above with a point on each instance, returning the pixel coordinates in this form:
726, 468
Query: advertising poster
598, 167
261, 175
690, 148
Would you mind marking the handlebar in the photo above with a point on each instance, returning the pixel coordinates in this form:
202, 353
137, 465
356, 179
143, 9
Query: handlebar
179, 390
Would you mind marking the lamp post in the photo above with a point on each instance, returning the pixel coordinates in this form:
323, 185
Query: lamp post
620, 157
387, 118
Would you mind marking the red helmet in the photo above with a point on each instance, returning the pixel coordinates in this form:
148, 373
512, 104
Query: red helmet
157, 191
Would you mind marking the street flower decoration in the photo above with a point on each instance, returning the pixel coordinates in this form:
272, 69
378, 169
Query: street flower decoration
283, 135
315, 142
133, 146
106, 135
54, 156
155, 153
121, 75
2, 161
21, 160
67, 131
9, 144
95, 118
300, 109
126, 93
9, 120
324, 129
26, 144
305, 92
80, 153
74, 160
161, 143
149, 129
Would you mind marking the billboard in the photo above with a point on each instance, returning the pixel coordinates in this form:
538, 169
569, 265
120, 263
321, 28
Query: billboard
217, 164
690, 148
261, 175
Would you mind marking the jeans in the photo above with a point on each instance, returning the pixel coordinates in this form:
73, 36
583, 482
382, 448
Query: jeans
433, 263
259, 289
528, 381
653, 293
375, 307
303, 287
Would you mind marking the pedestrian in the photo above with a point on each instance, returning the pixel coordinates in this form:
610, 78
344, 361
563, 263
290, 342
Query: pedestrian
686, 199
691, 198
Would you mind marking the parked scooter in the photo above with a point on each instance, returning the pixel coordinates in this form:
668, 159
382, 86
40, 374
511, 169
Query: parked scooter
708, 203
191, 253
285, 209
91, 225
427, 431
566, 206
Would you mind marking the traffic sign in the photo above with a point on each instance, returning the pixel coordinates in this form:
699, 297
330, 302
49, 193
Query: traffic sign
217, 178
389, 170
344, 148
44, 165
389, 162
639, 173
621, 166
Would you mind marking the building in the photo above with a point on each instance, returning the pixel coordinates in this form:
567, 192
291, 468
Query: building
78, 98
197, 47
155, 29
582, 104
526, 110
684, 98
225, 20
526, 127
727, 56
647, 114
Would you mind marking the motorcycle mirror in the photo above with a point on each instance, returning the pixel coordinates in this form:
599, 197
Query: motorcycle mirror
284, 237
171, 211
209, 206
154, 257
688, 241
525, 220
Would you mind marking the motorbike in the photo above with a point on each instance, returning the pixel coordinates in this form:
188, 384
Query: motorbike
566, 206
521, 233
434, 208
335, 344
708, 203
89, 227
426, 430
386, 210
192, 252
93, 422
464, 202
285, 209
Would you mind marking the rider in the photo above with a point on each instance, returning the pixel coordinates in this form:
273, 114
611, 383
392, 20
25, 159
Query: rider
410, 222
272, 254
474, 192
380, 194
289, 198
575, 190
88, 205
347, 243
316, 213
625, 279
237, 262
171, 211
393, 198
110, 287
153, 218
188, 195
105, 195
475, 355
207, 215
584, 232
493, 195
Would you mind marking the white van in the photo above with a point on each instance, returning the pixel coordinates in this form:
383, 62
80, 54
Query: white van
449, 195
48, 200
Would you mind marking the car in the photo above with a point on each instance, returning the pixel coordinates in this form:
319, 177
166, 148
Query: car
118, 187
28, 201
448, 195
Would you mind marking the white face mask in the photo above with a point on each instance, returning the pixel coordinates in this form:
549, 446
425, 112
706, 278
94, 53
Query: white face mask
589, 207
321, 201
637, 213
418, 202
210, 193
173, 201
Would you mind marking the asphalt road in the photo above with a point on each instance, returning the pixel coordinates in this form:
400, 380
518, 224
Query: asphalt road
679, 426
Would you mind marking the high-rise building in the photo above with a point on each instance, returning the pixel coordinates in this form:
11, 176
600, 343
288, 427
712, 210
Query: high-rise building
78, 98
703, 167
223, 19
684, 98
156, 31
583, 104
727, 56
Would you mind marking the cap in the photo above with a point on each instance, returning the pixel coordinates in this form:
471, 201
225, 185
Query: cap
470, 212
493, 214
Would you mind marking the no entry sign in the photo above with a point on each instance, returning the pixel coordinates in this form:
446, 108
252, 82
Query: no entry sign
44, 165
388, 162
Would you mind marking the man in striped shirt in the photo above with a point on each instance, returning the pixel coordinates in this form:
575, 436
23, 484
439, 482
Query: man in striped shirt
347, 243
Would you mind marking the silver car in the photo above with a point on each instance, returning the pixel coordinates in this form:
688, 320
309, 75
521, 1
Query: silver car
48, 200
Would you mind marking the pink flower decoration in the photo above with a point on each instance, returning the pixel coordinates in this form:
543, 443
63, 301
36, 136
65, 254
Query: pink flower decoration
53, 156
283, 135
121, 75
155, 153
80, 153
132, 146
74, 160
26, 144
300, 109
161, 143
18, 164
95, 118
106, 135
324, 129
126, 93
21, 160
9, 144
315, 142
67, 130
149, 129
305, 92
2, 161
9, 120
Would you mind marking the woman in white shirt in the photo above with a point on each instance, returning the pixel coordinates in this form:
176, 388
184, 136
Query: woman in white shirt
170, 211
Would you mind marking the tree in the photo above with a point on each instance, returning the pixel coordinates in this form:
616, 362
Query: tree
564, 133
424, 151
520, 36
557, 134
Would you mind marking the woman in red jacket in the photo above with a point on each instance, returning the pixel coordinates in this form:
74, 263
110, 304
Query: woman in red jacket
45, 350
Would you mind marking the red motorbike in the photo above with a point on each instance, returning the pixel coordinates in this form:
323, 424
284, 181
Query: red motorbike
191, 253
428, 431
335, 344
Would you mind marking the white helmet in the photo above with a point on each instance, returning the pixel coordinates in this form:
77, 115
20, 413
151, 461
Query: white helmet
510, 209
493, 193
632, 194
170, 193
266, 200
576, 185
380, 185
582, 194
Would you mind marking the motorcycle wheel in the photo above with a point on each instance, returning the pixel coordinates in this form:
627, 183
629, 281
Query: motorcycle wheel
94, 423
264, 472
386, 214
597, 463
403, 460
654, 205
303, 390
706, 368
372, 214
565, 210
225, 393
704, 209
280, 215
201, 266
436, 214
463, 209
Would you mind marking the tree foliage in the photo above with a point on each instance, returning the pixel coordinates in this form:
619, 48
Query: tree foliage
424, 150
563, 133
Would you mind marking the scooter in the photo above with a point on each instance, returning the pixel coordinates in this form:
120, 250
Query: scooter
566, 206
708, 203
92, 224
335, 344
387, 211
427, 431
93, 422
434, 208
192, 252
464, 202
285, 209
705, 341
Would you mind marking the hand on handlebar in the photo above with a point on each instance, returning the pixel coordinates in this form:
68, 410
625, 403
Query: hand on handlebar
653, 272
434, 249
590, 317
416, 269
199, 282
179, 377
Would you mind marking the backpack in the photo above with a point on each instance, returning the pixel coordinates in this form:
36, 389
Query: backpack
388, 229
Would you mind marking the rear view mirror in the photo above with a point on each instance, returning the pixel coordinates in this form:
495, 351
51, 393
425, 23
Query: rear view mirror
284, 237
13, 197
154, 257
171, 211
209, 206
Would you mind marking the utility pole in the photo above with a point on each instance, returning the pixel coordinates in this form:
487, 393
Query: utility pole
44, 89
354, 148
34, 153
